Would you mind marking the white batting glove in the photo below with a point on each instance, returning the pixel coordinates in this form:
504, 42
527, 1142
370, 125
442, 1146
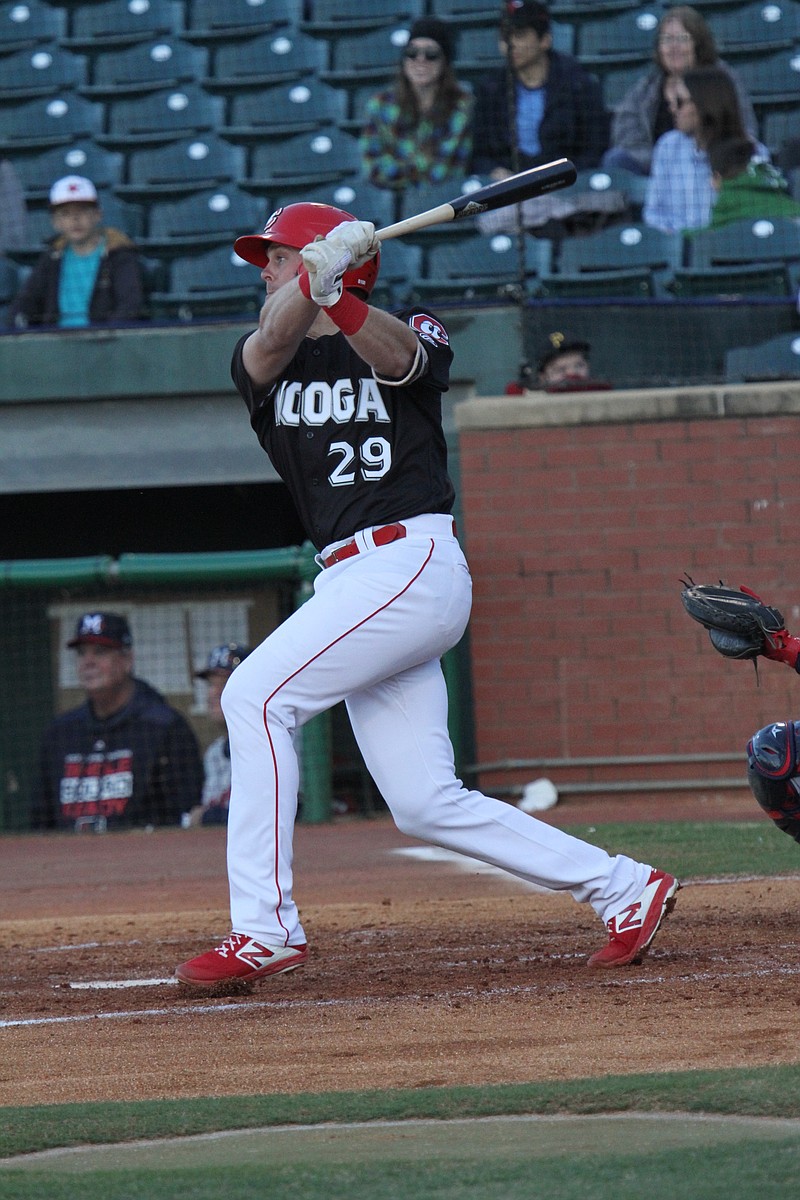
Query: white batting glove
359, 238
326, 263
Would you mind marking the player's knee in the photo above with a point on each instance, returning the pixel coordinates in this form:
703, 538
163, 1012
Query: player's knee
772, 772
413, 818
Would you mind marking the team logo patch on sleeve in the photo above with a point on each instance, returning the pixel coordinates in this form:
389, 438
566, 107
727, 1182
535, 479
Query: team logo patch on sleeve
429, 329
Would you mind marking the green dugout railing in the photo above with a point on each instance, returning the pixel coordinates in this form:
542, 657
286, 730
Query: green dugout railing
294, 565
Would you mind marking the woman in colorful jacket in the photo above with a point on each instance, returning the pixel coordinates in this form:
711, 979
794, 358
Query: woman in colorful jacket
419, 130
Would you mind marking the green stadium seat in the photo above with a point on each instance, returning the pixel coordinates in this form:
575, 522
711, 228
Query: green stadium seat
747, 241
145, 67
179, 168
341, 16
578, 10
38, 170
624, 260
779, 126
756, 28
41, 70
366, 57
418, 199
466, 12
283, 108
609, 192
25, 25
401, 267
778, 358
106, 24
303, 160
48, 121
750, 257
477, 50
213, 217
160, 117
472, 267
353, 194
771, 79
616, 80
620, 37
276, 57
214, 283
216, 21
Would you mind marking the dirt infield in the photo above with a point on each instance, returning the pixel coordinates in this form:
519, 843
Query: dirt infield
422, 972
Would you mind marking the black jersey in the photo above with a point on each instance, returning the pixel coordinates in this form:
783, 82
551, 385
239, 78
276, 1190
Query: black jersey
354, 452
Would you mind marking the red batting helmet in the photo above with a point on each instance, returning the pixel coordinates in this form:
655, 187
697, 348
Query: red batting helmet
298, 224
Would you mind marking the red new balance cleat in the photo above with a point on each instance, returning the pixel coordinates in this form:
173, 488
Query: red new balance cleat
240, 959
631, 930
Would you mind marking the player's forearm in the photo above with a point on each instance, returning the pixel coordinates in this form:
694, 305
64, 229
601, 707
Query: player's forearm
284, 321
385, 343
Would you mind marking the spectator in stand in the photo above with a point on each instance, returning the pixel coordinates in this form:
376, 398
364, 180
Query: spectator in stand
684, 42
90, 273
543, 105
13, 214
562, 365
124, 757
213, 808
746, 186
706, 110
419, 130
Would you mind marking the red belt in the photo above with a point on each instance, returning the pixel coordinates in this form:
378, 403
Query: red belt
381, 536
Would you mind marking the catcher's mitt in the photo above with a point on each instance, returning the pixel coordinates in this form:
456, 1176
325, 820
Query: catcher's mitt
739, 623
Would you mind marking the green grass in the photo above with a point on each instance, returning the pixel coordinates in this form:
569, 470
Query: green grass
700, 849
770, 1171
763, 1091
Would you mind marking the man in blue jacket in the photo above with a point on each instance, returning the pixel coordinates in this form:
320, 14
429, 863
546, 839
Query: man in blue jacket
124, 757
543, 105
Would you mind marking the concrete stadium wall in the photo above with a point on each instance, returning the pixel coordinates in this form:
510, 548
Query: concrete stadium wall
581, 514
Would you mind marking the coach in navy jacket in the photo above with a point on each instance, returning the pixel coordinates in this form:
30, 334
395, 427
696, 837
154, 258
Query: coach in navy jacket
557, 105
124, 757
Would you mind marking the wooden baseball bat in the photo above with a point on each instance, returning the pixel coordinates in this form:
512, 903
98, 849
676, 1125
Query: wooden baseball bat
523, 186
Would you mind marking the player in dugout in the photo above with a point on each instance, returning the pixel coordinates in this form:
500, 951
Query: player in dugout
346, 399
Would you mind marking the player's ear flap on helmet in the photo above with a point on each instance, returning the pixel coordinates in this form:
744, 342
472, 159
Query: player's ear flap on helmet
296, 225
772, 751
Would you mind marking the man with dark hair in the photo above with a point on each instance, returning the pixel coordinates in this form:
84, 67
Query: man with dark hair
543, 105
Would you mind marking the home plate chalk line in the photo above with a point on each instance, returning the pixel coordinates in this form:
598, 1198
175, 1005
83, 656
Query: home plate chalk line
461, 1139
103, 984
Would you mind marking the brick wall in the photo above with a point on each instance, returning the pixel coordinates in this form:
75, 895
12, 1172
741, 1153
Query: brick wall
580, 516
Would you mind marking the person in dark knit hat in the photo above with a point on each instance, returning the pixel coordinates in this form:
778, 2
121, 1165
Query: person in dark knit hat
419, 130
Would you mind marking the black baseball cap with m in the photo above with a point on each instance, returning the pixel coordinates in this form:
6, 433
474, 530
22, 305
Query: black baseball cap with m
102, 629
525, 14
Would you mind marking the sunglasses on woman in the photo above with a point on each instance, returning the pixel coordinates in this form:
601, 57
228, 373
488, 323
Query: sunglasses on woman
428, 55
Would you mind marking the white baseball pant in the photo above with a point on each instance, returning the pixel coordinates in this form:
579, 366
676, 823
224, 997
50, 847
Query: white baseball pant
373, 634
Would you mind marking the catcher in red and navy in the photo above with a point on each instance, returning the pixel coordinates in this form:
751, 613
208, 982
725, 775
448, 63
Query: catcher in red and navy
346, 400
741, 625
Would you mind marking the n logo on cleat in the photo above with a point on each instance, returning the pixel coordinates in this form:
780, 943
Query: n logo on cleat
629, 918
254, 954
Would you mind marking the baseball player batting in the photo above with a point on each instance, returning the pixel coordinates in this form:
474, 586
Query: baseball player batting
346, 401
